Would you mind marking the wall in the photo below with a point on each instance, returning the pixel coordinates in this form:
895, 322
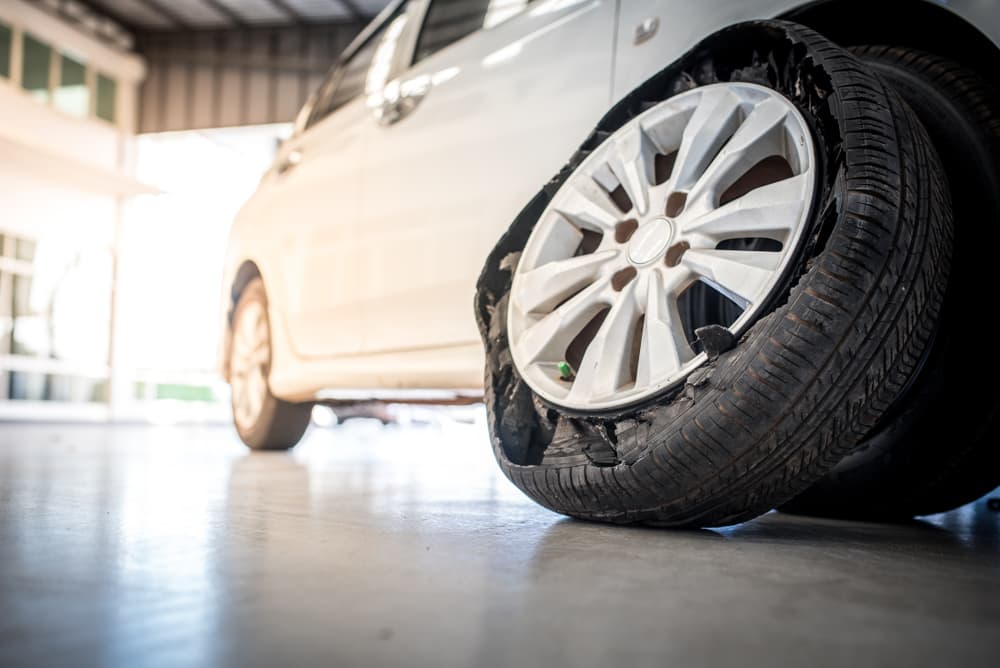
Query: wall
64, 177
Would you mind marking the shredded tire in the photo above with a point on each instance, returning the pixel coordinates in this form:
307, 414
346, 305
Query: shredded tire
941, 448
762, 421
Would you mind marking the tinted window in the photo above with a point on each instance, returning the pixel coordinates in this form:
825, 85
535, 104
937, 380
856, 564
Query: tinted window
106, 93
448, 21
352, 75
347, 81
35, 68
5, 40
72, 94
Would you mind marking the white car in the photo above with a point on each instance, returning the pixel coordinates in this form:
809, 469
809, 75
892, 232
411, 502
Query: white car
690, 219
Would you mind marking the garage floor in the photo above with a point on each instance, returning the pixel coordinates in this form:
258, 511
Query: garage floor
372, 546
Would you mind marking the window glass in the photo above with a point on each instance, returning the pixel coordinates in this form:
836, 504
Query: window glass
6, 315
348, 80
5, 39
54, 308
347, 83
352, 77
72, 95
24, 249
106, 98
31, 386
448, 21
36, 67
30, 334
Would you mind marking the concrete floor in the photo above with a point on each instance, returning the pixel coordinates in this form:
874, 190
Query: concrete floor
372, 546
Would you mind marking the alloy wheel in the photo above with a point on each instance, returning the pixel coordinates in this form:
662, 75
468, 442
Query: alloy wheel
711, 188
251, 358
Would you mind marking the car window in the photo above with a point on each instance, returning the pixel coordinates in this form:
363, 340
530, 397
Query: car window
347, 81
448, 21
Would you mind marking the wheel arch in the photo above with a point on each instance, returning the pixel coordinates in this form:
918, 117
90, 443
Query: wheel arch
246, 273
927, 26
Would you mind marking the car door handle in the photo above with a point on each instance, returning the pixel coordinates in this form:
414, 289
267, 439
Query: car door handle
646, 30
289, 161
400, 99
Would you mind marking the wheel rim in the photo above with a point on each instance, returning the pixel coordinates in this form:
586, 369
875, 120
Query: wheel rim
249, 364
713, 187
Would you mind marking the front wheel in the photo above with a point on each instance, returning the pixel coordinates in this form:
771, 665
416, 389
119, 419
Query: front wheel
263, 421
722, 292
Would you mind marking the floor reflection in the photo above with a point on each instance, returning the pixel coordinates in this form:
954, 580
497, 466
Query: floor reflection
371, 545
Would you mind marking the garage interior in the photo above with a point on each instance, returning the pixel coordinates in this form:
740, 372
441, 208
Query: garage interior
135, 528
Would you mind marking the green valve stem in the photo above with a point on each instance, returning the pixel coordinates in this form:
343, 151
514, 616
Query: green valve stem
565, 371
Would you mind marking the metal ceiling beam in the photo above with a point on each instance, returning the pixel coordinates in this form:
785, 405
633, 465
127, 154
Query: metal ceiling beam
227, 11
157, 7
353, 11
251, 62
154, 6
290, 12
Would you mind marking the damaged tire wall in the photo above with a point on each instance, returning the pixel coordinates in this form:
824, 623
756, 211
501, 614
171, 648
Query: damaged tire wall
940, 450
760, 422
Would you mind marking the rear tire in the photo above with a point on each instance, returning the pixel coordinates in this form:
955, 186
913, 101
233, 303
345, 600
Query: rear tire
262, 421
941, 448
756, 424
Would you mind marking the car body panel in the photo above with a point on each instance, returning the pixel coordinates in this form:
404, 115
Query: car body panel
369, 247
431, 208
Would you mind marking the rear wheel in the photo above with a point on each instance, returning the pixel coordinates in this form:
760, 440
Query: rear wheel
634, 412
263, 421
941, 448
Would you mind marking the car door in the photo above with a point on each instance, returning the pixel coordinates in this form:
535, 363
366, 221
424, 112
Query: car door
315, 199
654, 33
494, 97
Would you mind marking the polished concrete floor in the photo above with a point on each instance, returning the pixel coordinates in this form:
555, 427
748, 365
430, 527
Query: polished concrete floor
402, 546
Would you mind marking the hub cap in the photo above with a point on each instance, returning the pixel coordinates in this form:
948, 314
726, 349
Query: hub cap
711, 186
650, 241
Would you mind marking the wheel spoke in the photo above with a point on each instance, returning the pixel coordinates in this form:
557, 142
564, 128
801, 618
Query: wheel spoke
549, 337
243, 336
769, 212
238, 365
664, 347
594, 320
587, 205
760, 136
743, 276
543, 288
665, 125
243, 399
711, 124
605, 364
260, 332
632, 164
261, 355
255, 393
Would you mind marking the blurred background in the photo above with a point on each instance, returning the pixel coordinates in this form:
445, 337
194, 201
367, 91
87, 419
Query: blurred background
130, 133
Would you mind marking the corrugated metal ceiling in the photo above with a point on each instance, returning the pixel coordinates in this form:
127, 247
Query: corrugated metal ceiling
209, 14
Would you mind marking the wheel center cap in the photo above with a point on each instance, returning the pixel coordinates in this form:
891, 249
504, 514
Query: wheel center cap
650, 241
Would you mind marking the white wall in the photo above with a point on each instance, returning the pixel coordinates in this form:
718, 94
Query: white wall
63, 180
